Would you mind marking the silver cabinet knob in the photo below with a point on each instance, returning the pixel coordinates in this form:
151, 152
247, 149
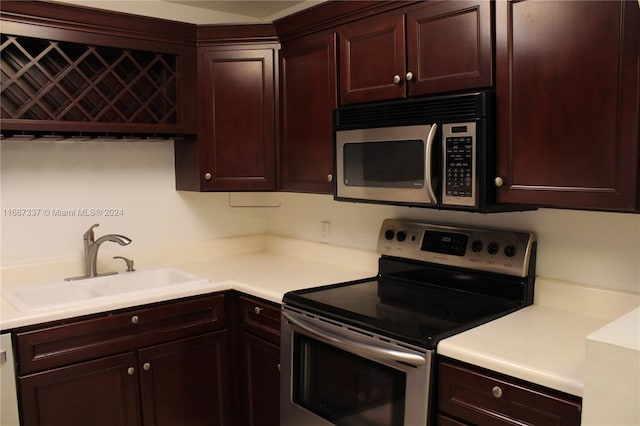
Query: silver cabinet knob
496, 392
208, 176
329, 178
409, 76
131, 371
146, 366
397, 79
135, 319
257, 310
498, 182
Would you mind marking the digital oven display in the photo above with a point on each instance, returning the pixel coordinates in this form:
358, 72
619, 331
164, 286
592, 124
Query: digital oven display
445, 243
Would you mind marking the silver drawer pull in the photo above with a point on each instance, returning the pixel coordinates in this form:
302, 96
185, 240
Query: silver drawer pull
135, 319
131, 371
496, 392
146, 366
257, 310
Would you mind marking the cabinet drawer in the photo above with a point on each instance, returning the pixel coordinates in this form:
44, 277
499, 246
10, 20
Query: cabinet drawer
66, 342
261, 318
480, 397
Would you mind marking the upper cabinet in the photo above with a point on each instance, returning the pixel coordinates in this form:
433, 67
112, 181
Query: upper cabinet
73, 70
567, 97
429, 48
237, 118
235, 149
308, 78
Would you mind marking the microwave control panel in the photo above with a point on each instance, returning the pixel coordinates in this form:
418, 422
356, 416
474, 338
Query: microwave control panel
459, 160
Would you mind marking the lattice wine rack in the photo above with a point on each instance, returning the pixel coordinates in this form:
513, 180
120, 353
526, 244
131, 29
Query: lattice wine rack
72, 82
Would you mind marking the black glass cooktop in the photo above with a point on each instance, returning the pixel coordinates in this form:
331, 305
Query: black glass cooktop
420, 312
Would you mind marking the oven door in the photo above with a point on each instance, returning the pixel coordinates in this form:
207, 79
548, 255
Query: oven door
337, 375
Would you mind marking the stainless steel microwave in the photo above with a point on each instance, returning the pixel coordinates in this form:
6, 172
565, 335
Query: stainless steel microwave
433, 152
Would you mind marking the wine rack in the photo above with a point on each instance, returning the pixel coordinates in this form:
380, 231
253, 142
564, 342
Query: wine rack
66, 82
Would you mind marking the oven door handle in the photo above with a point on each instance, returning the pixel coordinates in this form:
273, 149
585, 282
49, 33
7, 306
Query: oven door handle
370, 351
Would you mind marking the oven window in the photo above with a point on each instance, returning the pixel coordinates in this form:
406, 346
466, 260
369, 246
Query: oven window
394, 164
346, 389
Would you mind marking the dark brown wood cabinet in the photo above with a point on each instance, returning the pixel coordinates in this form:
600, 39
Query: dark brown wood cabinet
172, 357
308, 75
70, 69
235, 149
429, 48
567, 98
259, 354
99, 392
236, 115
178, 381
469, 395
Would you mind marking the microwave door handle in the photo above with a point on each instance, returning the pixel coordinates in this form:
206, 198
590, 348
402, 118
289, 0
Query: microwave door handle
430, 138
370, 351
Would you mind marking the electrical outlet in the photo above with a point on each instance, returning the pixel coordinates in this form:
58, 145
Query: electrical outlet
326, 231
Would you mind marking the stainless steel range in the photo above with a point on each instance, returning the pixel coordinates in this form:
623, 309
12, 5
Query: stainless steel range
362, 352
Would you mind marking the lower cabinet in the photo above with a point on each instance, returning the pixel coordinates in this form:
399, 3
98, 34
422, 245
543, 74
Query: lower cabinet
98, 392
468, 395
259, 354
160, 365
185, 382
261, 393
205, 360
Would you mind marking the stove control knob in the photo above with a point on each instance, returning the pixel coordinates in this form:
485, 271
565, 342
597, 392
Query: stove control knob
389, 234
510, 250
493, 248
476, 246
401, 236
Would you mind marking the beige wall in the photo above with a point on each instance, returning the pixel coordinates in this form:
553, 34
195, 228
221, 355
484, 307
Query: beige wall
597, 249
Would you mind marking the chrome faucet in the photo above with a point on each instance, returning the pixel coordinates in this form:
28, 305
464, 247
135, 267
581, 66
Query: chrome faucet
91, 246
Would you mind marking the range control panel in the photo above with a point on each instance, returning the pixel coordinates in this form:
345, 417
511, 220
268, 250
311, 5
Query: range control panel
491, 250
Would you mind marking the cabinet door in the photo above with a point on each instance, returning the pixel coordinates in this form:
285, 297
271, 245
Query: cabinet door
236, 119
103, 392
308, 96
261, 390
449, 47
567, 98
372, 54
186, 382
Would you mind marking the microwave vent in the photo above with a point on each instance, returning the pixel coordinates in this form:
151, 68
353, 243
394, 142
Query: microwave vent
415, 111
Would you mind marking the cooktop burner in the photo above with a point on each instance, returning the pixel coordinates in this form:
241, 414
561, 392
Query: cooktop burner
421, 320
428, 291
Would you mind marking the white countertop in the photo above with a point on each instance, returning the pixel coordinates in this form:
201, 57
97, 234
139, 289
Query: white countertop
543, 343
280, 266
538, 344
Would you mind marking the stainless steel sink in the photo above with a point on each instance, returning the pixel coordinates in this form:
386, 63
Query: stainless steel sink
57, 294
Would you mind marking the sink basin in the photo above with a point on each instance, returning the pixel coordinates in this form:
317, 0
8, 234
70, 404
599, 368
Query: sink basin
56, 294
139, 280
49, 295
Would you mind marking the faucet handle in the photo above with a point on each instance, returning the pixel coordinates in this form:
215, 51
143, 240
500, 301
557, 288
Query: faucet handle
129, 263
88, 236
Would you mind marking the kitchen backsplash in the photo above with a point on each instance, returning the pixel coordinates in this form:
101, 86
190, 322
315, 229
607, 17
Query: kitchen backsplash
52, 192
